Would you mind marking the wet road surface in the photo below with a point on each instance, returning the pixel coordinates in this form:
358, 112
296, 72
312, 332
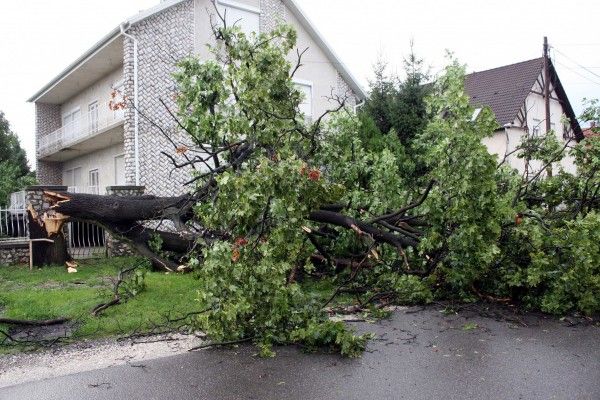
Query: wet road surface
418, 354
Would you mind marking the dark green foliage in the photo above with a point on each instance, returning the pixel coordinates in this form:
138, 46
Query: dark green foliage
14, 171
10, 149
399, 106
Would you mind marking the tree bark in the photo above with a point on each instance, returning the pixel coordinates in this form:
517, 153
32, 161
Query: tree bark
123, 216
118, 209
46, 253
335, 218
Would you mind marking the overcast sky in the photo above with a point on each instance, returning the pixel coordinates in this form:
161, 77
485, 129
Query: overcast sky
39, 38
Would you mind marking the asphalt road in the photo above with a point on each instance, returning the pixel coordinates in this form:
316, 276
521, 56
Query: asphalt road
417, 355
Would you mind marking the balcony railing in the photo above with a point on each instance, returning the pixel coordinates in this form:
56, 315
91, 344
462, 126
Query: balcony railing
74, 131
86, 189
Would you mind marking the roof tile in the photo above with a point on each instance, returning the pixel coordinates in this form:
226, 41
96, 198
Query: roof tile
504, 89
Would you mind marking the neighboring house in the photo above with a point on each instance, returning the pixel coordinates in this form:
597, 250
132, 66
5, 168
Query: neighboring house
87, 140
515, 93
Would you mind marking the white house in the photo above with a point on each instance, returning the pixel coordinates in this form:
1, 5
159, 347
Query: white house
515, 93
87, 140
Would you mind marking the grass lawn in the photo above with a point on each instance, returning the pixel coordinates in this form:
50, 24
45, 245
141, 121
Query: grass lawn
51, 292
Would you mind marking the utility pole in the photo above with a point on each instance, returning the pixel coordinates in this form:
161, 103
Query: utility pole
547, 84
547, 95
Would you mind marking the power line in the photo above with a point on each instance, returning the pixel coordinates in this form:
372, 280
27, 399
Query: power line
579, 65
578, 44
578, 73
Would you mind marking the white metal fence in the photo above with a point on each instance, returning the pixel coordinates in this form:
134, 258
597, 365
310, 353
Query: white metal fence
13, 220
13, 225
86, 240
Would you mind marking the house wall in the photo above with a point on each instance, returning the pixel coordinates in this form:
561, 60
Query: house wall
204, 10
99, 91
535, 106
317, 67
47, 120
163, 39
102, 160
506, 140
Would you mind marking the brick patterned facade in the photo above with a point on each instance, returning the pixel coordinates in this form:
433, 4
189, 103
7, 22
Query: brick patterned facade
272, 12
47, 120
163, 39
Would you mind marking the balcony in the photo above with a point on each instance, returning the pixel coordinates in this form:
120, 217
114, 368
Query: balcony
83, 135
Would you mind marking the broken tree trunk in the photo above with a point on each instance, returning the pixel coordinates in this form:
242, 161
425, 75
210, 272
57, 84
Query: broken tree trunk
46, 252
119, 209
124, 216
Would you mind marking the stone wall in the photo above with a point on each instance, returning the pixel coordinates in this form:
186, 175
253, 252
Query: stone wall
18, 252
47, 120
14, 254
163, 39
34, 195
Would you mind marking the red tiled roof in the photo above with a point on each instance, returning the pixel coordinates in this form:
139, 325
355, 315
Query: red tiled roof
588, 132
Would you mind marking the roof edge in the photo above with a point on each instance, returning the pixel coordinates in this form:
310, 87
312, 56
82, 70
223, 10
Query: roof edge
113, 34
163, 5
116, 32
560, 91
317, 37
504, 66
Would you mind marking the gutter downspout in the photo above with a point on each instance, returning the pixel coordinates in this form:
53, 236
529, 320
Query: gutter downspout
136, 117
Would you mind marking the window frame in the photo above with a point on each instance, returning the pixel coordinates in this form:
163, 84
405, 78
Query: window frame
115, 169
91, 172
91, 127
224, 4
72, 129
306, 83
536, 127
71, 172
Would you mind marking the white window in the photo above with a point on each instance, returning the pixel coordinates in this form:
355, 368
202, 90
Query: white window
305, 88
242, 15
536, 128
93, 117
70, 123
72, 178
94, 181
120, 170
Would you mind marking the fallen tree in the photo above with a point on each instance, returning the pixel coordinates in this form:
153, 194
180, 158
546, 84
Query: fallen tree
283, 197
